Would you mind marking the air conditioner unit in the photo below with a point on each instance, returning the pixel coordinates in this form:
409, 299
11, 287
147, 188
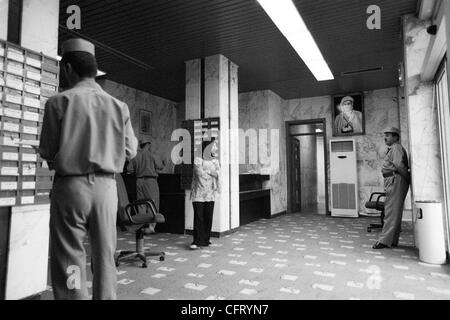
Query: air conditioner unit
344, 179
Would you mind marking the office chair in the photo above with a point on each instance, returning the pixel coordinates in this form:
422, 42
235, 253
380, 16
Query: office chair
137, 214
376, 205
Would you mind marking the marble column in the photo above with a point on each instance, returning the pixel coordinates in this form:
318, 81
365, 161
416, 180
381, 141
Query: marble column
422, 114
221, 101
4, 5
403, 117
40, 20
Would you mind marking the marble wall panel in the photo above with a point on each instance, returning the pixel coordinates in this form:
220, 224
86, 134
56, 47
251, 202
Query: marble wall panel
422, 114
163, 117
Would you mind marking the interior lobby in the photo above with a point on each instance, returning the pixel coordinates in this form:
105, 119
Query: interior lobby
297, 214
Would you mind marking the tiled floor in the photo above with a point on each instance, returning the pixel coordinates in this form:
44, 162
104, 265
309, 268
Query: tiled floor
300, 256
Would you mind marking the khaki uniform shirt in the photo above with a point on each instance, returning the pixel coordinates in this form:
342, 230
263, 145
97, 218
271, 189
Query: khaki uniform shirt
86, 130
145, 165
395, 158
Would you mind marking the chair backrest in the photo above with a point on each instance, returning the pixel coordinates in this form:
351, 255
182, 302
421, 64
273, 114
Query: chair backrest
122, 196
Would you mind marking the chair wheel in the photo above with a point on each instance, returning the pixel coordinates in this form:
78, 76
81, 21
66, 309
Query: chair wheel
117, 264
144, 266
161, 258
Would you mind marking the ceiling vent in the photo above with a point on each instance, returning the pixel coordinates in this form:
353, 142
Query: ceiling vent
361, 71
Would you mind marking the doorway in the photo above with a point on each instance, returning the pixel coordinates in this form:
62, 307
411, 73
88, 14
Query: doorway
306, 166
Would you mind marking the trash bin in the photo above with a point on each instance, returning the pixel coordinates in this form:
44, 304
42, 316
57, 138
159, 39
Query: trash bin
429, 227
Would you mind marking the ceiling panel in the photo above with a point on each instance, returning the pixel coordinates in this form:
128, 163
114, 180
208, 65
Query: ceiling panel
165, 33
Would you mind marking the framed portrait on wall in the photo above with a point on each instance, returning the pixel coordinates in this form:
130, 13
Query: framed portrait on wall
348, 115
144, 121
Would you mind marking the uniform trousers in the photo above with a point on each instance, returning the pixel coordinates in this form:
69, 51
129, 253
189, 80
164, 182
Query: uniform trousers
203, 219
147, 188
396, 188
81, 206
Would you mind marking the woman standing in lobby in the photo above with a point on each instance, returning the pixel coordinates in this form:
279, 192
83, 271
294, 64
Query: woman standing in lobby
205, 187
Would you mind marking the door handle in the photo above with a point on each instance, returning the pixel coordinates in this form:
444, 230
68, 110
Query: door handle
342, 157
419, 214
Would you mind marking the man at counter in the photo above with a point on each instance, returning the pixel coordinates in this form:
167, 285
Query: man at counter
86, 136
146, 166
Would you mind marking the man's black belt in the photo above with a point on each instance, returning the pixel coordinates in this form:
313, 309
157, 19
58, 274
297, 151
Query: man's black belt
148, 177
389, 174
97, 174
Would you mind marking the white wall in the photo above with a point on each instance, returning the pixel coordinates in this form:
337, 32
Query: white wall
40, 22
4, 4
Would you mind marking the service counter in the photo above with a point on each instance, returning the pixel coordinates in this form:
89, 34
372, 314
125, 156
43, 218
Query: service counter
254, 198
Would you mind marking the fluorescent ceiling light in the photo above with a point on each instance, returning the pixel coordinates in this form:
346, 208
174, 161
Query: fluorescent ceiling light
287, 18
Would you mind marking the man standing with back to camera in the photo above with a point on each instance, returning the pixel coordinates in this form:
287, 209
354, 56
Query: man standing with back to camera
147, 166
86, 136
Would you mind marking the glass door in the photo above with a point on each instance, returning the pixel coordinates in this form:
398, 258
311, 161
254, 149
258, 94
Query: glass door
442, 100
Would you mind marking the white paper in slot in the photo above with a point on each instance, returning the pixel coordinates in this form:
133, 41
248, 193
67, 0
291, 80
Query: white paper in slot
14, 83
30, 130
9, 171
27, 200
15, 70
29, 185
48, 87
16, 56
10, 156
2, 81
11, 127
34, 76
7, 202
28, 157
8, 141
12, 113
14, 99
34, 63
31, 116
31, 102
2, 52
29, 171
34, 143
32, 89
7, 185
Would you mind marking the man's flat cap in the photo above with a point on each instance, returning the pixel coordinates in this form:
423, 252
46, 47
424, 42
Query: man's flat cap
79, 45
392, 130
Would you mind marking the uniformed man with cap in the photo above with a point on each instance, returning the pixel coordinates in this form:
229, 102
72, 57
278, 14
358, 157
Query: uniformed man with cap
86, 137
348, 121
396, 175
147, 166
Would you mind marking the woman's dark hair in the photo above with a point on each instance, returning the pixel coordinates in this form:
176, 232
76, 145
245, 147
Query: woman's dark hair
206, 144
84, 64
